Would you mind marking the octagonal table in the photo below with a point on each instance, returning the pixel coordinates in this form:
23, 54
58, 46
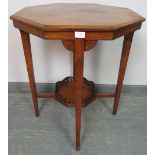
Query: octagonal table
79, 26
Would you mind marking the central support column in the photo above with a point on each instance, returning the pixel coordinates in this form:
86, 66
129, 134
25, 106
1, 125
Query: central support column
78, 79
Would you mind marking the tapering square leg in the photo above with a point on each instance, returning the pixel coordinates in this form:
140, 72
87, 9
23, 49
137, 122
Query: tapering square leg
29, 63
123, 64
78, 79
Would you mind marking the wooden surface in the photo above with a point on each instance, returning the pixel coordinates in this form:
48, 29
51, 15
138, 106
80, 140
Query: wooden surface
59, 21
29, 63
69, 44
68, 17
78, 63
123, 64
64, 92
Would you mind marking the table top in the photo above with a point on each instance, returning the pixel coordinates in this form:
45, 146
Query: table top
73, 16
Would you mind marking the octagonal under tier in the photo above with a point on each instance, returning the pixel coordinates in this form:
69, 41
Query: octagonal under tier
66, 92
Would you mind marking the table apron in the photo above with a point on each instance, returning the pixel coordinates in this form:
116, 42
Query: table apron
69, 35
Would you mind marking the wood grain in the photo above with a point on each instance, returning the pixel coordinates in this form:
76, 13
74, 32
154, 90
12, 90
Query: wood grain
59, 22
69, 44
66, 96
83, 17
123, 64
78, 79
28, 58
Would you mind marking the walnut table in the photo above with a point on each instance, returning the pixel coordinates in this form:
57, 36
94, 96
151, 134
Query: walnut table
79, 26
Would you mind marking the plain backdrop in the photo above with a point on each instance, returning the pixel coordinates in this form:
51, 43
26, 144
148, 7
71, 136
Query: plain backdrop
52, 62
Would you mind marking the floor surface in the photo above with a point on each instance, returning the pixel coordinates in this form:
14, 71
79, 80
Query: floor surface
53, 133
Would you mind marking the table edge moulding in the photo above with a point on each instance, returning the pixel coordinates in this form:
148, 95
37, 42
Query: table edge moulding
79, 26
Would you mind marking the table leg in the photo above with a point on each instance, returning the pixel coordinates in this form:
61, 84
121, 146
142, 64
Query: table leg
123, 63
28, 58
78, 78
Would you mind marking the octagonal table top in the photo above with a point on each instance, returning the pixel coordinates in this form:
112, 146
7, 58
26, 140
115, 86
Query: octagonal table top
73, 16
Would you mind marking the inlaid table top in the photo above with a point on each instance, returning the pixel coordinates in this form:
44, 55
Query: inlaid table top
70, 17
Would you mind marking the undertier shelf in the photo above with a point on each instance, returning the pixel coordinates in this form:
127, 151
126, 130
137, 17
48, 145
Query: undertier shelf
65, 92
